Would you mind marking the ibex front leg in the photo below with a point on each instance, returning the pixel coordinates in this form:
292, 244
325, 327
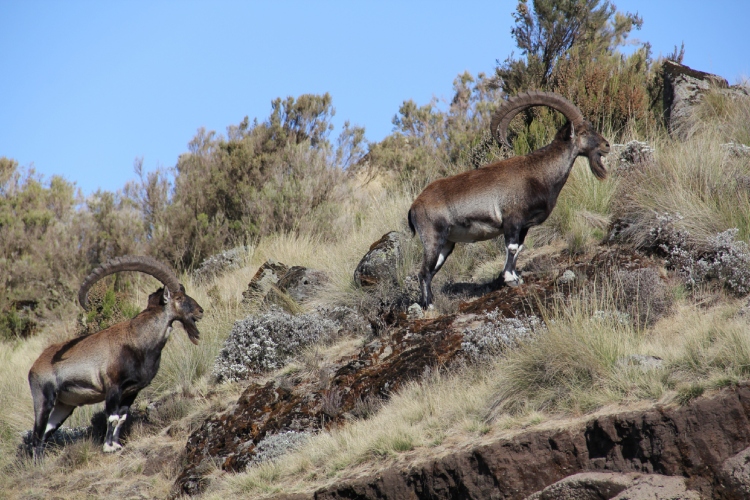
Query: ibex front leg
515, 235
116, 408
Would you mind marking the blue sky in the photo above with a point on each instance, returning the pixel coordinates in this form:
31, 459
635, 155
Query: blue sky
87, 87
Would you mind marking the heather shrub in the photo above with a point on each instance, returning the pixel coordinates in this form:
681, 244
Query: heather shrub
109, 304
40, 250
261, 343
572, 48
722, 258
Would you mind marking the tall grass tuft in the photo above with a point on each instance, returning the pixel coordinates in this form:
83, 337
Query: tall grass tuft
698, 178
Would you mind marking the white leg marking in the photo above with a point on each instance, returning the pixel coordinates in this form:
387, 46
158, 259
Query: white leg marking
59, 413
440, 261
114, 418
513, 248
441, 258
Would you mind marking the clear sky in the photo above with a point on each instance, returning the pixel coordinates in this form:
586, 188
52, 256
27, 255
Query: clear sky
86, 87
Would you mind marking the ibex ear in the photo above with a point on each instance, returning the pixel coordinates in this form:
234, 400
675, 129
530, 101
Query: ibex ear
166, 296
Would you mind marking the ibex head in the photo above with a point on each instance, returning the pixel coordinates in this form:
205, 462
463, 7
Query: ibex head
172, 296
587, 140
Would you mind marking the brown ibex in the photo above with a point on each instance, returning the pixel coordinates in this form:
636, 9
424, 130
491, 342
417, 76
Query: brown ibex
506, 197
112, 365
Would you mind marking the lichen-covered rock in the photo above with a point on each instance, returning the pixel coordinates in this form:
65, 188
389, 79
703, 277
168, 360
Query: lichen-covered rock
492, 333
632, 155
298, 404
221, 263
615, 486
302, 283
586, 486
380, 261
735, 475
276, 445
684, 88
267, 276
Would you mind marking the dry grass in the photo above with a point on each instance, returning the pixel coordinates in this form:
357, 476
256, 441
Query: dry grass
696, 178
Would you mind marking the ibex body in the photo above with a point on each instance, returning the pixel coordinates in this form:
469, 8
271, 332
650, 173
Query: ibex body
507, 197
112, 365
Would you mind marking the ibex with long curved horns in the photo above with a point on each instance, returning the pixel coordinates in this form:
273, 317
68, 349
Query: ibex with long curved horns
112, 365
507, 197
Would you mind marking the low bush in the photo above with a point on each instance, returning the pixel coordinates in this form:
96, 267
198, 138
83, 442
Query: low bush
722, 258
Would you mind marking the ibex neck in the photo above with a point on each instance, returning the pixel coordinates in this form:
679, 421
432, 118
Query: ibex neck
152, 327
557, 165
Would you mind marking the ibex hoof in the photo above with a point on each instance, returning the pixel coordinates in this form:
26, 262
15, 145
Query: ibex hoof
512, 280
112, 448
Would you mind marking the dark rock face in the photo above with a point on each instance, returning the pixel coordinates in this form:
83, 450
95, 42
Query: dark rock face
690, 443
296, 405
380, 261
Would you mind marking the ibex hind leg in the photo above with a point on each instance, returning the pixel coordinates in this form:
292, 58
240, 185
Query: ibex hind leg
44, 395
436, 251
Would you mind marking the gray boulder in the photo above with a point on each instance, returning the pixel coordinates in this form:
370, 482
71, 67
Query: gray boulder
381, 261
302, 283
617, 486
221, 263
735, 475
265, 278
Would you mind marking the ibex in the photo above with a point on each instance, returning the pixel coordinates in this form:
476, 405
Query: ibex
506, 197
114, 364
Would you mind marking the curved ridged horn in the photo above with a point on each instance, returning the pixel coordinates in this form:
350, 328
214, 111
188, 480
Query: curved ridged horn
510, 108
147, 265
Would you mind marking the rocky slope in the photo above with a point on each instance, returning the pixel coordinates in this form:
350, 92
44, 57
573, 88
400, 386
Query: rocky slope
302, 403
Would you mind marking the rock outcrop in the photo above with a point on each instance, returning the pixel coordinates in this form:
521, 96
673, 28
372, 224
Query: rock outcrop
380, 262
684, 88
299, 283
617, 486
298, 404
695, 446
